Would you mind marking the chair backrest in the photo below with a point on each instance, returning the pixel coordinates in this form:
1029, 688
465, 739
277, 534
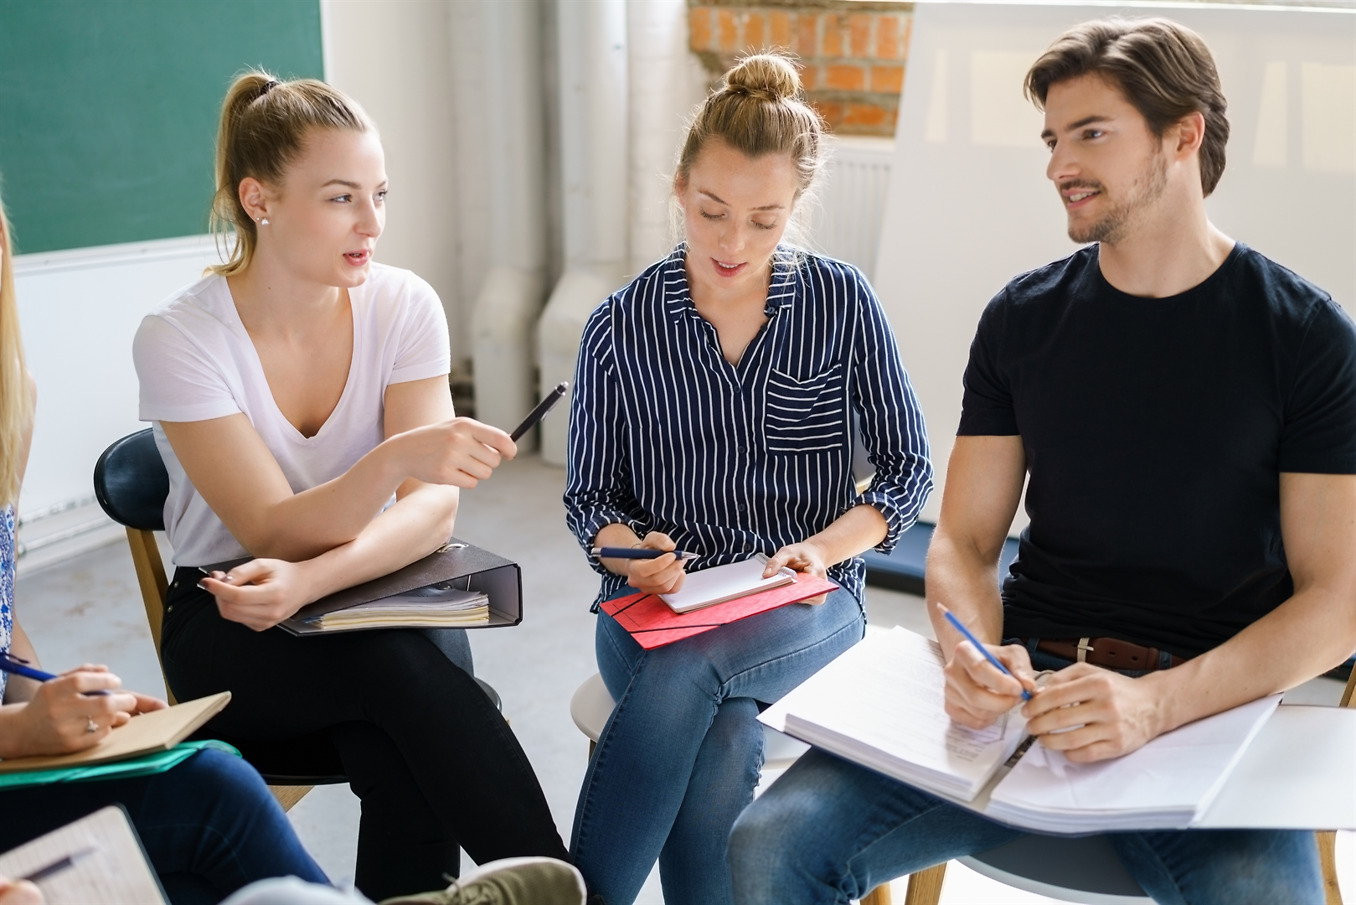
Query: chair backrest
131, 483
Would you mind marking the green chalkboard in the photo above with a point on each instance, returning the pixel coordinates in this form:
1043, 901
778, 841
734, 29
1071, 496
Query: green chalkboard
108, 108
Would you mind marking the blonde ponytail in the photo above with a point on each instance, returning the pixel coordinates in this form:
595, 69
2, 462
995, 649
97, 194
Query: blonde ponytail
264, 123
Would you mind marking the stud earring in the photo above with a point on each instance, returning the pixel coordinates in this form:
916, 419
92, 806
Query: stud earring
263, 221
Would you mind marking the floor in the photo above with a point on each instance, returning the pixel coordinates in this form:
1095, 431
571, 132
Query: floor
89, 610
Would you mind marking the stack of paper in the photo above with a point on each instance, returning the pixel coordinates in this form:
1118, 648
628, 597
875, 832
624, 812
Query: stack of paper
882, 706
1166, 784
435, 606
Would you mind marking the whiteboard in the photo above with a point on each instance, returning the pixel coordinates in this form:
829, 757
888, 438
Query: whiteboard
969, 206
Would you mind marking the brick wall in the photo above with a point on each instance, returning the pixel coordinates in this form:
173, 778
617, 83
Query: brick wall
852, 52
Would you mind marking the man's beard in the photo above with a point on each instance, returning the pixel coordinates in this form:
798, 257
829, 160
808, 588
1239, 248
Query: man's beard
1112, 226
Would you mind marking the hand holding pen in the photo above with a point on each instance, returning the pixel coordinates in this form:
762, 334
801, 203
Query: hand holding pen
980, 687
654, 566
70, 712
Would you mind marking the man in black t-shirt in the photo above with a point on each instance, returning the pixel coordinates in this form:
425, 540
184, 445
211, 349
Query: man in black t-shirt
1185, 411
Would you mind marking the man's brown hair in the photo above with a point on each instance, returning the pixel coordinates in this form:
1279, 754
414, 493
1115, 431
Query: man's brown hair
1164, 70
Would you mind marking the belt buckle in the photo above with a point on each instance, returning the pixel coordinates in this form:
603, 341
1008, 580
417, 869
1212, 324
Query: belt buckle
1084, 648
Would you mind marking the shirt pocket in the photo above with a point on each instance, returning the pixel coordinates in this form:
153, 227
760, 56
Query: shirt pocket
805, 414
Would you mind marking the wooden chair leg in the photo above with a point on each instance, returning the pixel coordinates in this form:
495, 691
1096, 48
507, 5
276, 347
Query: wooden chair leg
878, 896
1327, 857
925, 886
289, 795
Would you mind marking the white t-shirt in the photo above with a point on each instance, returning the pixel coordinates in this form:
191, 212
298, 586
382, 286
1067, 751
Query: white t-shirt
196, 362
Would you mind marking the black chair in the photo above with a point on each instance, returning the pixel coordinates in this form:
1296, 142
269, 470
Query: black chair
902, 568
131, 485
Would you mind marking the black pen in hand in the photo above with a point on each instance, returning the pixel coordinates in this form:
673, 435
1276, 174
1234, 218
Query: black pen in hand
540, 411
639, 553
20, 667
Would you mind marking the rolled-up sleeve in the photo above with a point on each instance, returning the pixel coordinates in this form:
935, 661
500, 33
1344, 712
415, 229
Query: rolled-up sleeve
598, 469
891, 423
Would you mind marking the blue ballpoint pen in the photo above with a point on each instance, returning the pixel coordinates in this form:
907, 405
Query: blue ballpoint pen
960, 627
21, 668
639, 553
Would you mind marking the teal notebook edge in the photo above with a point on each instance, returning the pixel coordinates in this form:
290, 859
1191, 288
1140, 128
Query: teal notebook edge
156, 762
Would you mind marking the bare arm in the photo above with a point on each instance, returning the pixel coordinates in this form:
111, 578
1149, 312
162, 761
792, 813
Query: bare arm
433, 455
1311, 632
238, 477
17, 688
983, 486
858, 529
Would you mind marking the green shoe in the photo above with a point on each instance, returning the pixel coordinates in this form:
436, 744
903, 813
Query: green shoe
512, 881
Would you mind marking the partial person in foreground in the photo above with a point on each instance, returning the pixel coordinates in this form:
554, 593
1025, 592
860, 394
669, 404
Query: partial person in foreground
513, 881
714, 412
299, 398
209, 825
1185, 411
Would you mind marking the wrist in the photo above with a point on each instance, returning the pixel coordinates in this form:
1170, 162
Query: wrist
387, 460
1168, 699
15, 740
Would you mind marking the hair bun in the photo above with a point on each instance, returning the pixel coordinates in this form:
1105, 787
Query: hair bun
767, 75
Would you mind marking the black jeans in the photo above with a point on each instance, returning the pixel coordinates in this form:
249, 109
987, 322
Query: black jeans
432, 760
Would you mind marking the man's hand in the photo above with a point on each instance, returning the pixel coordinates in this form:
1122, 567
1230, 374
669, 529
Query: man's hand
977, 693
1094, 714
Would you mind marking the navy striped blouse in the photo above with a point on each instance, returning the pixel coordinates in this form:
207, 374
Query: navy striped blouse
732, 460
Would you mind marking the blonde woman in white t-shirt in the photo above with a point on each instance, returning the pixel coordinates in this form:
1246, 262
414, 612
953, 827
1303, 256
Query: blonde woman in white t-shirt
296, 391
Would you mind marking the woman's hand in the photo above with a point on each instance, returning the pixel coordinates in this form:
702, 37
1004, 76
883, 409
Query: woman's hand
656, 576
260, 593
63, 716
461, 452
802, 557
19, 892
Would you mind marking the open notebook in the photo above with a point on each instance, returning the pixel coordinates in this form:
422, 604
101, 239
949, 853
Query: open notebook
728, 582
880, 704
96, 860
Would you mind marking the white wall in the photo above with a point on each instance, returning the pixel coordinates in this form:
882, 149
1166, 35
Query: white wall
970, 207
395, 60
79, 311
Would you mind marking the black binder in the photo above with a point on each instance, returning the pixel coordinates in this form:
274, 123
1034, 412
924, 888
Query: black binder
498, 578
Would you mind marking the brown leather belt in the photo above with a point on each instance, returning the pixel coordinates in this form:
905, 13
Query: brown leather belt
1112, 653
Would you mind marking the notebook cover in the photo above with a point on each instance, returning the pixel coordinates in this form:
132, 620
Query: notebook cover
653, 624
158, 730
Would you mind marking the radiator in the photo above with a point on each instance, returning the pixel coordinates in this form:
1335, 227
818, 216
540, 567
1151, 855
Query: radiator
846, 223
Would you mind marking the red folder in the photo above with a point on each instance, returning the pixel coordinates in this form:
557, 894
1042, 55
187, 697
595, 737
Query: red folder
653, 624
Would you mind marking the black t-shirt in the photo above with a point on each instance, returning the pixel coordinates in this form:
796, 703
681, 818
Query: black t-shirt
1155, 431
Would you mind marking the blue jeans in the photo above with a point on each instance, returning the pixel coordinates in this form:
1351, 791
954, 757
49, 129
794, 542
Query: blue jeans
209, 825
679, 757
829, 831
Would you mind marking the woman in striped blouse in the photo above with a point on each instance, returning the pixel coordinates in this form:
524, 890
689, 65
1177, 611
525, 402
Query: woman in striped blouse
714, 411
